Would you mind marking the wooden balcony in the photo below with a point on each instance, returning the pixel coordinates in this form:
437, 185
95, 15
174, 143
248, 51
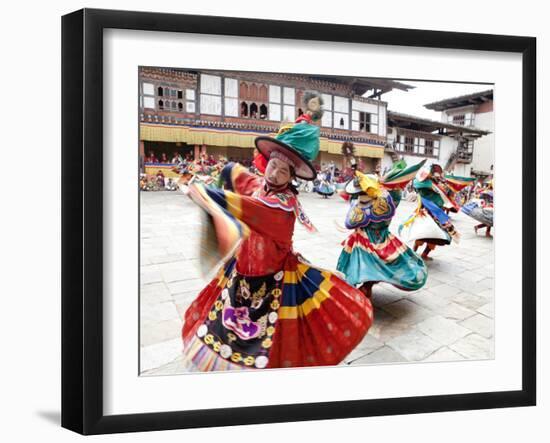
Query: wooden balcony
464, 155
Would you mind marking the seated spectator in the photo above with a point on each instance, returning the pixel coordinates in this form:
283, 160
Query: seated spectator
176, 158
160, 179
143, 182
171, 185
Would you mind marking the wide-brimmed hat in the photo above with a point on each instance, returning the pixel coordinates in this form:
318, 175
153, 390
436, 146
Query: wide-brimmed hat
362, 183
426, 171
435, 168
297, 144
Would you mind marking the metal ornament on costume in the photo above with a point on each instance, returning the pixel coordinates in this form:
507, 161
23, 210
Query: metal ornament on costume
242, 321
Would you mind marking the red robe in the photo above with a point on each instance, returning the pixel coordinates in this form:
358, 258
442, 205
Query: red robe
268, 307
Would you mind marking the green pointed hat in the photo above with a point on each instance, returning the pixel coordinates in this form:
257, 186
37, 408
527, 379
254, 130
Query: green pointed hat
298, 143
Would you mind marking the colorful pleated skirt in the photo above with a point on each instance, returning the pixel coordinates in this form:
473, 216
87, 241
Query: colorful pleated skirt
300, 316
482, 215
426, 225
325, 189
376, 255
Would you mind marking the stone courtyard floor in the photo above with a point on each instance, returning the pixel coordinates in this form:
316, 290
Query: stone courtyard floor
450, 318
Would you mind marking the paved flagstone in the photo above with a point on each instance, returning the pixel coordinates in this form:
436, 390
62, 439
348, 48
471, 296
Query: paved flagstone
449, 319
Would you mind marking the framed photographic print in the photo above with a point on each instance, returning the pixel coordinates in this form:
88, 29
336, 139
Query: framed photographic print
273, 221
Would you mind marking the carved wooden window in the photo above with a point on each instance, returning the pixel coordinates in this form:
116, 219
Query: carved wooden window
210, 99
274, 103
244, 109
458, 119
231, 97
253, 110
429, 147
409, 144
263, 93
148, 95
326, 121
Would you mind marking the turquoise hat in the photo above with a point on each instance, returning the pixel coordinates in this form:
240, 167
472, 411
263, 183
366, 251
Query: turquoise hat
299, 143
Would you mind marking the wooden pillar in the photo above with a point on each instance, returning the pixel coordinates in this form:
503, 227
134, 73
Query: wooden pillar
142, 148
196, 153
141, 160
203, 149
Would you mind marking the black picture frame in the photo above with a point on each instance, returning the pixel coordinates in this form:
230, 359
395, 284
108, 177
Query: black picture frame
82, 218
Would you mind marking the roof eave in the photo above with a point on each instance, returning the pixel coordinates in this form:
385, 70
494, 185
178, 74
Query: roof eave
463, 100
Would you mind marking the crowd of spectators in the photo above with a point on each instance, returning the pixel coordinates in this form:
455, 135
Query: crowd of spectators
157, 182
176, 158
164, 158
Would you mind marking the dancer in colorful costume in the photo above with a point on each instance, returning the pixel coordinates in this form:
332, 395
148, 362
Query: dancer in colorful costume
267, 306
451, 186
372, 254
199, 171
429, 224
326, 187
348, 172
481, 209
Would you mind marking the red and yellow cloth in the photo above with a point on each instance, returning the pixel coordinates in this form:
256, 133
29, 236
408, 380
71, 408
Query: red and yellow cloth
267, 307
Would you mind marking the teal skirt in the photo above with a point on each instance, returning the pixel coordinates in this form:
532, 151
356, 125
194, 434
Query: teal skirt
376, 255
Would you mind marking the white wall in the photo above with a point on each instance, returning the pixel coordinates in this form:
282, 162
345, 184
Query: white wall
31, 285
386, 162
483, 157
462, 169
382, 119
483, 154
447, 146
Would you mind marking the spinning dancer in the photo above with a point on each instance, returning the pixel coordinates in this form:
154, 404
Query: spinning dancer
481, 209
429, 223
268, 307
325, 188
372, 254
451, 186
